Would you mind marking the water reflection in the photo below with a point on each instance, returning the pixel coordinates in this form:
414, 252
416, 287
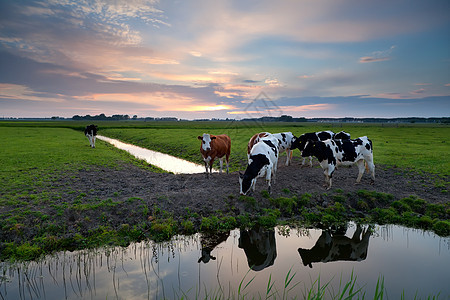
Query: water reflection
161, 160
335, 246
209, 242
173, 270
259, 246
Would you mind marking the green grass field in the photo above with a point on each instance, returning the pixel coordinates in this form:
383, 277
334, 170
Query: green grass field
422, 148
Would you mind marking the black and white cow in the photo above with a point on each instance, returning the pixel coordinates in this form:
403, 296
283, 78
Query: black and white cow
285, 141
341, 135
300, 142
263, 161
331, 153
91, 132
336, 247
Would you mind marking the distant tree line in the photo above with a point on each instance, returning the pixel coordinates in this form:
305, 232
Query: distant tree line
283, 118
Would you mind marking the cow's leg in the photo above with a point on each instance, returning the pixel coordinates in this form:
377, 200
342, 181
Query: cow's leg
371, 166
221, 164
268, 178
93, 141
360, 164
303, 161
211, 165
227, 160
288, 156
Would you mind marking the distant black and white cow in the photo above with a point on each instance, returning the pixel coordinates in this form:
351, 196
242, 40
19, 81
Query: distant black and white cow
91, 132
285, 141
300, 142
331, 153
263, 161
335, 247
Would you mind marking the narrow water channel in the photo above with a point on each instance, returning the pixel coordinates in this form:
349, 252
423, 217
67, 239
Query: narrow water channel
413, 262
164, 161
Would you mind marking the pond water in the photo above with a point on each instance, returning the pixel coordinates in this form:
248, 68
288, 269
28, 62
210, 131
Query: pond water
164, 161
221, 266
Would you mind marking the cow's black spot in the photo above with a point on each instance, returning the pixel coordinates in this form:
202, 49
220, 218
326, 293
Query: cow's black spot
323, 135
272, 146
284, 137
349, 150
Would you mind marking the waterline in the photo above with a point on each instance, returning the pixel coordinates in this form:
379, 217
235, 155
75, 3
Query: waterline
161, 160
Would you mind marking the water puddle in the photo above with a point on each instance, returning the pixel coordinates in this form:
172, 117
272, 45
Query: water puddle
242, 262
164, 161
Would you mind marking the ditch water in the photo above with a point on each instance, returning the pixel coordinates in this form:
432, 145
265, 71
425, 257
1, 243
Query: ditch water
164, 161
243, 262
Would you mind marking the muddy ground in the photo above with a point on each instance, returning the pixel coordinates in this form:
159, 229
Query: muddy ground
202, 195
84, 202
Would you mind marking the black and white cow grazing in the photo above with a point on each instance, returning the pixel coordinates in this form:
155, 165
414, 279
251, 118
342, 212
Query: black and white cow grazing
91, 132
331, 153
300, 142
263, 161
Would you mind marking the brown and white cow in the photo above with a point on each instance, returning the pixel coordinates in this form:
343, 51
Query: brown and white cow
215, 146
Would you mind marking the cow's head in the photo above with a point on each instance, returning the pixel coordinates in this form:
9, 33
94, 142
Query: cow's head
245, 183
206, 141
299, 143
309, 148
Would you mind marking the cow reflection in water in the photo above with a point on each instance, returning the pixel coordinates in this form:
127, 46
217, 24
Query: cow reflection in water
335, 247
259, 247
209, 242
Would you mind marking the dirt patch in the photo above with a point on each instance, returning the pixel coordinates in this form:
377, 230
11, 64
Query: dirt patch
177, 193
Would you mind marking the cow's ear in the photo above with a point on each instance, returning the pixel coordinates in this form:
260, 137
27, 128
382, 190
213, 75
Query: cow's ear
200, 138
213, 137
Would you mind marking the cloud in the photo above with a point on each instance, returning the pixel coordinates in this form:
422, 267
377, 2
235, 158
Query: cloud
378, 56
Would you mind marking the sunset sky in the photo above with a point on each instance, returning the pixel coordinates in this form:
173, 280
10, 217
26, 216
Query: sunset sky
225, 59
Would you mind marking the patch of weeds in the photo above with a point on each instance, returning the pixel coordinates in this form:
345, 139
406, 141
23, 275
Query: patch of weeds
339, 198
284, 203
244, 221
286, 191
304, 199
209, 223
187, 226
227, 223
250, 202
442, 228
373, 197
163, 229
265, 194
269, 220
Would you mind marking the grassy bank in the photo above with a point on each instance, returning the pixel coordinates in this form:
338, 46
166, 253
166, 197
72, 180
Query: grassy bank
36, 218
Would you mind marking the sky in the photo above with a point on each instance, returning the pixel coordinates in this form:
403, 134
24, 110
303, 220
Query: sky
198, 59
